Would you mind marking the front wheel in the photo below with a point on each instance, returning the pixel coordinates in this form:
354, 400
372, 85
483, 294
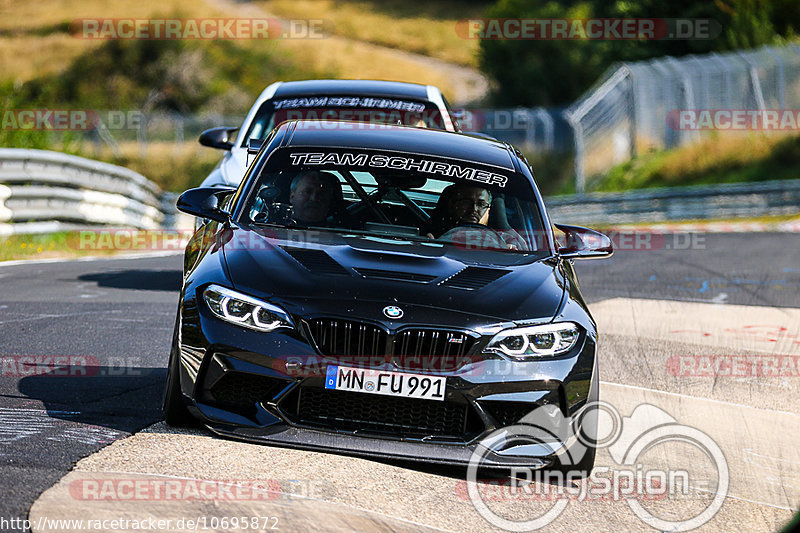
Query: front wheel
175, 412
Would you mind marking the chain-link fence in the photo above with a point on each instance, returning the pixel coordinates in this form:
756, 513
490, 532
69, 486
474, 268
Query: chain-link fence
634, 107
637, 106
114, 128
537, 129
530, 129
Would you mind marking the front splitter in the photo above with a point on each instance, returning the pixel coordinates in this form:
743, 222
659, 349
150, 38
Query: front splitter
423, 452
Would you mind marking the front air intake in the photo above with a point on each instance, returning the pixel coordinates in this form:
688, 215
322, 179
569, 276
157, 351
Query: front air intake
316, 261
472, 278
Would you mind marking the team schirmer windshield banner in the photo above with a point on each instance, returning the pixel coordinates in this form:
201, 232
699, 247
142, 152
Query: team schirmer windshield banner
400, 163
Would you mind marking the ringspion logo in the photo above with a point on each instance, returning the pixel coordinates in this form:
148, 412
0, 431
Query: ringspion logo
626, 439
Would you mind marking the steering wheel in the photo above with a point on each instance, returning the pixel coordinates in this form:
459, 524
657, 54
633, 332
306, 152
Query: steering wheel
494, 236
275, 213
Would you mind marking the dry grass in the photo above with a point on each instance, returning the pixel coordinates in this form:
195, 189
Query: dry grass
53, 54
36, 41
40, 26
172, 166
733, 157
29, 15
353, 59
406, 26
732, 149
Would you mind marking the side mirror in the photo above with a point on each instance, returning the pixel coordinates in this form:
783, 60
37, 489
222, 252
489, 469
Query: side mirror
203, 202
221, 138
584, 243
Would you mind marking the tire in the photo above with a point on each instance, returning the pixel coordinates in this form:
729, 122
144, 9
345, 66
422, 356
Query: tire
174, 408
588, 437
582, 468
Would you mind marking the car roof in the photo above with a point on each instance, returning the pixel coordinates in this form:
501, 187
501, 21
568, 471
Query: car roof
352, 87
438, 143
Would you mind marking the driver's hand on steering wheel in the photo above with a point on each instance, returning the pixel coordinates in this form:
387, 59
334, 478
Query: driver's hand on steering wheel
509, 245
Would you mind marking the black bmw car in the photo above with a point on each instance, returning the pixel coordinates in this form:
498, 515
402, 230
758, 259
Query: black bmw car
384, 291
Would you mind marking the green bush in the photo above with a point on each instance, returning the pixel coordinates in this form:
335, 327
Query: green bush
555, 72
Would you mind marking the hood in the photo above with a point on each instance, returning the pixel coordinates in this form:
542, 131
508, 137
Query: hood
357, 276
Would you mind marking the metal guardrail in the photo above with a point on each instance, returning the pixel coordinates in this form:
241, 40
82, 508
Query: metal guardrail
702, 202
43, 191
42, 186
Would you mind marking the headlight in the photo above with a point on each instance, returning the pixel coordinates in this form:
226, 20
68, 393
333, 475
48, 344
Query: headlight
535, 341
244, 310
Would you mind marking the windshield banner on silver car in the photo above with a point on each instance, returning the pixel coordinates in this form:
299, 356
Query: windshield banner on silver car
349, 101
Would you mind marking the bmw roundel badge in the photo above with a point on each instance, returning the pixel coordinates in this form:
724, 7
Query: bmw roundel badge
392, 311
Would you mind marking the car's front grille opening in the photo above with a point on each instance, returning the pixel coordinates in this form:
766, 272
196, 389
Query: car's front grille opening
239, 390
382, 415
339, 337
508, 413
431, 342
335, 336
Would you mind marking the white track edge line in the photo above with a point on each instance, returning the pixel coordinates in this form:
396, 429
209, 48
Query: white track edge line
689, 397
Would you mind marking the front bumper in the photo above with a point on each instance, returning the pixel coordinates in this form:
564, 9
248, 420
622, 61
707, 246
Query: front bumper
239, 391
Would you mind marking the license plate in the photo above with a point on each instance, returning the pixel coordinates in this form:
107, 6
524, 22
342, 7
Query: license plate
385, 383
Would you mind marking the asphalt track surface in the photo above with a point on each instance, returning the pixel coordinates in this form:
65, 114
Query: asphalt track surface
117, 315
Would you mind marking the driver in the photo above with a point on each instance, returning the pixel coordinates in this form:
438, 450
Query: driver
463, 204
469, 204
312, 193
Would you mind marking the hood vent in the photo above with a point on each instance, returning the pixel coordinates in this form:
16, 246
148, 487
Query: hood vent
397, 276
472, 278
317, 261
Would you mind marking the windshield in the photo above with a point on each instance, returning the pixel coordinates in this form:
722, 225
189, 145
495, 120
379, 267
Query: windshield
349, 108
405, 196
